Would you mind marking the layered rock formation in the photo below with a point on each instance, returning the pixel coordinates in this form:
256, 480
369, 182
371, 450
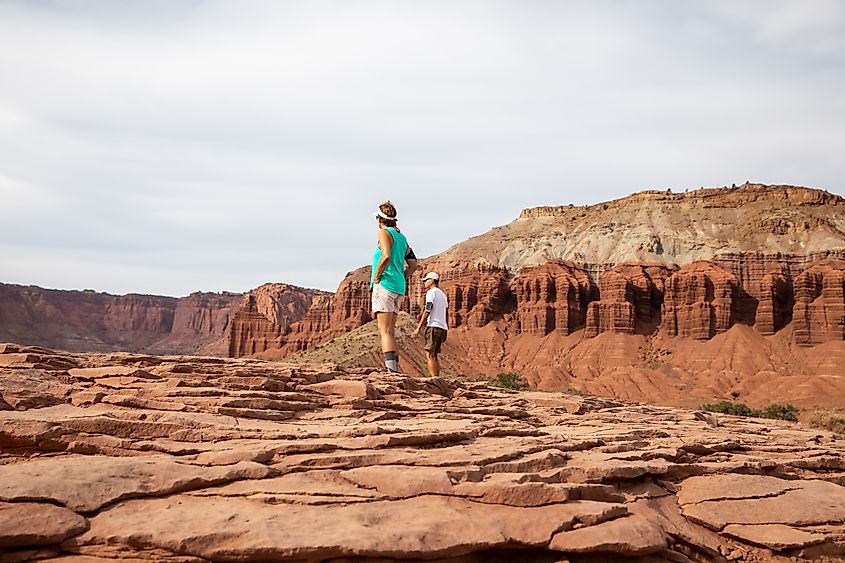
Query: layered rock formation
692, 265
819, 313
631, 299
266, 314
551, 298
701, 301
90, 321
141, 458
326, 317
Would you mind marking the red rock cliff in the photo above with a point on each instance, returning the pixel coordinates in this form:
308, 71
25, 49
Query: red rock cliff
819, 313
91, 321
700, 301
552, 298
267, 313
631, 299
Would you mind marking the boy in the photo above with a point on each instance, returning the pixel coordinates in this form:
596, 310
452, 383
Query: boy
434, 317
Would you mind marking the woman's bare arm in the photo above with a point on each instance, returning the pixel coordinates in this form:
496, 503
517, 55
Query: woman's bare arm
385, 243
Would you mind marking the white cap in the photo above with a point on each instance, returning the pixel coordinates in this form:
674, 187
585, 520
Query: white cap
431, 276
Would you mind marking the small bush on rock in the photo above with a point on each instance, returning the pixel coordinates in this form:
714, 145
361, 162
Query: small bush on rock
780, 412
777, 411
727, 407
510, 380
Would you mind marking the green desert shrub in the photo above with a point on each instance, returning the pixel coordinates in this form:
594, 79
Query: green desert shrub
827, 420
510, 380
727, 407
780, 411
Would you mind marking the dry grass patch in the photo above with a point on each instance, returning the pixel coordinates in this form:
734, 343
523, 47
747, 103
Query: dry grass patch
826, 420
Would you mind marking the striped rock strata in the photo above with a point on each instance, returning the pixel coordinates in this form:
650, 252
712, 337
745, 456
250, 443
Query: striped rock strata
694, 264
141, 458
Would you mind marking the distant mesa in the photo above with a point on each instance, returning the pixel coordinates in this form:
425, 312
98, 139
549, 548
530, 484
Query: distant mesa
691, 264
90, 321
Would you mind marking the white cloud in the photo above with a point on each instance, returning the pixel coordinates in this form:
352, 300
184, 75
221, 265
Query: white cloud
214, 145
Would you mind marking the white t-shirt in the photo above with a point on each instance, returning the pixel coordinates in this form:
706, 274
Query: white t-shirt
436, 304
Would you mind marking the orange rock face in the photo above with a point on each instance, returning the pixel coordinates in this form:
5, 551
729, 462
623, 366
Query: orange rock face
267, 313
701, 301
819, 313
90, 321
631, 299
551, 298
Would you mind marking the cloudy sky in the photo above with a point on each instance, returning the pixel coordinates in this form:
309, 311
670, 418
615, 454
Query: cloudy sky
170, 146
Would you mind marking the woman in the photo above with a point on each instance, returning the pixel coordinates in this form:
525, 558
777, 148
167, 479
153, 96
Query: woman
389, 280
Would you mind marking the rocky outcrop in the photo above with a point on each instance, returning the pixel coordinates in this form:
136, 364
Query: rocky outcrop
145, 458
669, 228
819, 313
631, 296
267, 313
329, 316
477, 295
201, 324
551, 298
701, 301
91, 321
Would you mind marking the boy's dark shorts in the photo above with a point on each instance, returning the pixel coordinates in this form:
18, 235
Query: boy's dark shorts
434, 338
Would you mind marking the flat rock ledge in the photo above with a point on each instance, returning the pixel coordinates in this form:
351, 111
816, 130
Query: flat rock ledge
187, 459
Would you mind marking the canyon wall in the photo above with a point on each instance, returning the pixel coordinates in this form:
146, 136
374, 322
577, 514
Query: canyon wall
268, 313
698, 301
684, 264
819, 312
688, 264
85, 321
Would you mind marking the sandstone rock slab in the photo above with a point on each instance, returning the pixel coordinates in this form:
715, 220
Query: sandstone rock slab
774, 536
813, 502
30, 523
632, 535
427, 526
88, 483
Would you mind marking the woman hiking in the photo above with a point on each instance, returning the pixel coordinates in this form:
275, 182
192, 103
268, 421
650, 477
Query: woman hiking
389, 280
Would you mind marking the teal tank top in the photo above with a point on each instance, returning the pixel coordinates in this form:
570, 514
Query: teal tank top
393, 277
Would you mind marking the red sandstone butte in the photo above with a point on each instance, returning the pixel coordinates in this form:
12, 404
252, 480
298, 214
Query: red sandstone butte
266, 314
631, 299
701, 301
691, 264
819, 313
90, 321
551, 298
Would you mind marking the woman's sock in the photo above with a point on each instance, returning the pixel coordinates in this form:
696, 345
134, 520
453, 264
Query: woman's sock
391, 361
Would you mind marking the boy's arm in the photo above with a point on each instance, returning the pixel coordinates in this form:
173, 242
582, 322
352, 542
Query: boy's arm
424, 316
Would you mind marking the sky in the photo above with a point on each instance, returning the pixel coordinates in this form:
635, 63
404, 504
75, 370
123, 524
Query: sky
173, 146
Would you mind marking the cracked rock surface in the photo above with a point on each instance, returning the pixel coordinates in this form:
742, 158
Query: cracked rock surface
144, 458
